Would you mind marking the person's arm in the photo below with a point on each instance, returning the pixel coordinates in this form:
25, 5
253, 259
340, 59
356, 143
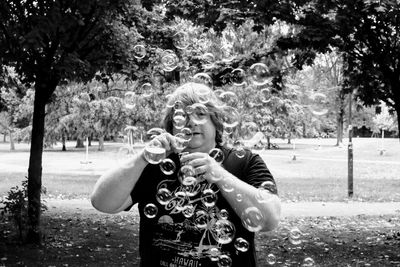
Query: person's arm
269, 206
266, 202
112, 192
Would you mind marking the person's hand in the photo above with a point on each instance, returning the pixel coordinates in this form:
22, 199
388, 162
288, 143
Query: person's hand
203, 164
166, 141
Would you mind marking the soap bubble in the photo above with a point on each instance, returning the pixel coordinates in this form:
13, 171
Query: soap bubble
146, 90
187, 132
203, 93
269, 186
188, 211
208, 60
271, 259
238, 77
264, 190
259, 74
223, 231
228, 58
186, 175
163, 196
308, 262
181, 40
169, 61
228, 130
265, 95
214, 253
203, 78
227, 186
183, 138
193, 189
229, 98
178, 105
231, 117
167, 166
240, 152
295, 236
223, 214
124, 153
153, 132
154, 153
139, 51
208, 198
218, 92
252, 219
241, 244
249, 128
201, 219
181, 141
224, 261
198, 113
319, 102
179, 118
150, 210
217, 154
130, 100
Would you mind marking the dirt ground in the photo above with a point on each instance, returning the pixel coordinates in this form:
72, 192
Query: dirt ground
78, 236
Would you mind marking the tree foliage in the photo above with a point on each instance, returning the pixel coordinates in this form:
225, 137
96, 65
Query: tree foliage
53, 42
365, 31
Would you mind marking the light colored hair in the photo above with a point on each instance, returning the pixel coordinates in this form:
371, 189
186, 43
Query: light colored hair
188, 94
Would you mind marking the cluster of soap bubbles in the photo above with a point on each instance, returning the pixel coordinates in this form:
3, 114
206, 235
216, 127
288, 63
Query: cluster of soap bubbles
295, 238
134, 99
258, 74
206, 216
209, 217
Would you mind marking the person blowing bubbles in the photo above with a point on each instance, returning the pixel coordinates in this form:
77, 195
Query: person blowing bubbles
214, 198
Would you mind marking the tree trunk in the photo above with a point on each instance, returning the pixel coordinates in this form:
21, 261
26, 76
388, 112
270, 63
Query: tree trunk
4, 137
396, 100
339, 126
45, 85
89, 141
101, 143
397, 107
12, 145
79, 143
35, 167
64, 147
340, 99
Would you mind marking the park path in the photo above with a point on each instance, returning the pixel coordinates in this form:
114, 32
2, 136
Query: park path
289, 209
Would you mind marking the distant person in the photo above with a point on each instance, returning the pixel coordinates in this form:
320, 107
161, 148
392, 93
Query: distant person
202, 209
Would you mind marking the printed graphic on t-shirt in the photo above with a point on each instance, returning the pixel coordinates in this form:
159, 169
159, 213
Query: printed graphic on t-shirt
192, 230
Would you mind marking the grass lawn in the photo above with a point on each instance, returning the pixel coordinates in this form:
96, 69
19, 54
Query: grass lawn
319, 173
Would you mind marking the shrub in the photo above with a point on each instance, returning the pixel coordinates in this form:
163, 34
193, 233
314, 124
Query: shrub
14, 207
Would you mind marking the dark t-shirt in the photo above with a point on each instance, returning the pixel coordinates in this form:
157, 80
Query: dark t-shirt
188, 231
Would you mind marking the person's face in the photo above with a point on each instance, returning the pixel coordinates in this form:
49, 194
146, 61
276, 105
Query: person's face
204, 133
